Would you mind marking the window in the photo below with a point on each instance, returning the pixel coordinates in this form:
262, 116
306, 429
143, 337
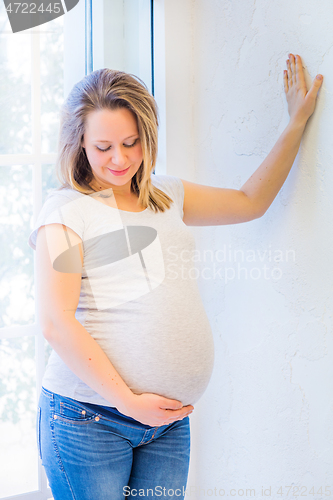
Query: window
39, 67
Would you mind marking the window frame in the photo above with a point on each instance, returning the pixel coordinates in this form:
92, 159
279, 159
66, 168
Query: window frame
74, 61
83, 52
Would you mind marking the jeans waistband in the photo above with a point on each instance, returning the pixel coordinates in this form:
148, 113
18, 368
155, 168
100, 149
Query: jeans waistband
106, 411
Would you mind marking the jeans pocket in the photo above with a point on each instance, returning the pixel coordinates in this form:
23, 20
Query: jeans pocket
38, 432
71, 412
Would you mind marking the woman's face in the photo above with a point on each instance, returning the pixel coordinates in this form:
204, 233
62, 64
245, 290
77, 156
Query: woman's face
112, 145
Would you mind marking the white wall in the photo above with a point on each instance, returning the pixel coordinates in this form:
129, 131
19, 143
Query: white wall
266, 419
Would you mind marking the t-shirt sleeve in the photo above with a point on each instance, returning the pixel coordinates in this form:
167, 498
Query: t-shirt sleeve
175, 189
59, 208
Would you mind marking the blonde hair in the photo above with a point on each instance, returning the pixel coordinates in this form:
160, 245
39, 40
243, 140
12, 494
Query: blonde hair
109, 89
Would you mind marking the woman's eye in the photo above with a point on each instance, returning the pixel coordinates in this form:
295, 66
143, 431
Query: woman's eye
126, 146
131, 145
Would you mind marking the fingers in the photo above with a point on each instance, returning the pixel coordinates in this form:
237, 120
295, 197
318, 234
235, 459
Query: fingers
299, 71
183, 411
301, 103
292, 65
173, 415
285, 81
171, 419
290, 76
171, 404
294, 74
316, 84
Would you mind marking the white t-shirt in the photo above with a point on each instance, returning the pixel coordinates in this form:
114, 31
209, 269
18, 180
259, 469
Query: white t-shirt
138, 298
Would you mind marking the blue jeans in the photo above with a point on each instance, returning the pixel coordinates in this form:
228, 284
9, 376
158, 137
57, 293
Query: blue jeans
93, 452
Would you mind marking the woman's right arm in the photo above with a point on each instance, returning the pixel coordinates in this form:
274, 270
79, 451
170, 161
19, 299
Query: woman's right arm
57, 299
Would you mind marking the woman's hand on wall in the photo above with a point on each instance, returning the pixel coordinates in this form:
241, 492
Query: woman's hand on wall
301, 102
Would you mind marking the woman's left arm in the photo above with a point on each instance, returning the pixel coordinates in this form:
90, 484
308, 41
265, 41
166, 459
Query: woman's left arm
207, 206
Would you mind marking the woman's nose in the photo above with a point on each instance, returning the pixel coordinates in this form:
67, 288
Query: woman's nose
119, 157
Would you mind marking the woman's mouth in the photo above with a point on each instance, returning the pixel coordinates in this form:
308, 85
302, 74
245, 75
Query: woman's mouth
118, 172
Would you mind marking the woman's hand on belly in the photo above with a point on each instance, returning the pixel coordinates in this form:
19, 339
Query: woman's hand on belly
154, 410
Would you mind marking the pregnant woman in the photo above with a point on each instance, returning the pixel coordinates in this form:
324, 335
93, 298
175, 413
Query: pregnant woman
132, 345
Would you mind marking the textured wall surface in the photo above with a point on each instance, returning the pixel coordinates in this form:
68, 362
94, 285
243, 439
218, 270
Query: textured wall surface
266, 419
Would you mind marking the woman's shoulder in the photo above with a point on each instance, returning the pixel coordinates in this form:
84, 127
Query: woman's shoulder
65, 200
63, 194
62, 206
169, 183
172, 186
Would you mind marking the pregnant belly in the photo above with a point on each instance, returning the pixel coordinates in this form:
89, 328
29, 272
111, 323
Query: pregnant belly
177, 365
